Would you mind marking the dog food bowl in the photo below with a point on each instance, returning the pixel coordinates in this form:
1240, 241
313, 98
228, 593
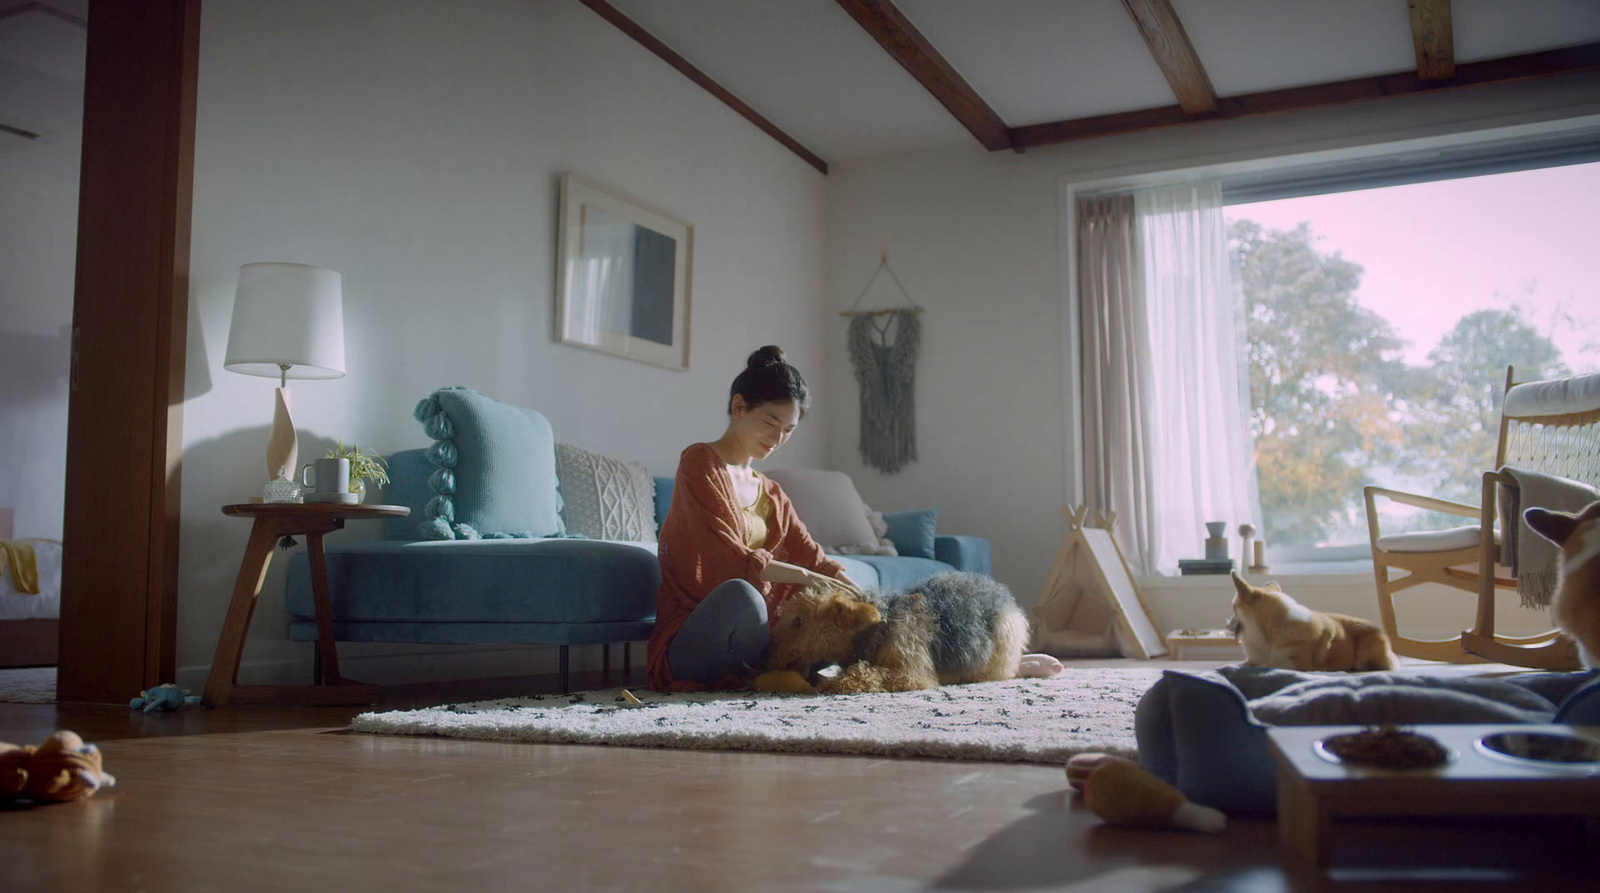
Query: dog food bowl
1546, 750
1402, 751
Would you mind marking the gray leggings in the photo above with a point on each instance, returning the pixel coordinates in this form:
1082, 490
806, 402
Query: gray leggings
725, 635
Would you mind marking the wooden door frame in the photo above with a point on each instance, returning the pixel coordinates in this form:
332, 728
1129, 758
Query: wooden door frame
119, 587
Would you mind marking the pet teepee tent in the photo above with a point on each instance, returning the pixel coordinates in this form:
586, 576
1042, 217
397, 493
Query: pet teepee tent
1091, 605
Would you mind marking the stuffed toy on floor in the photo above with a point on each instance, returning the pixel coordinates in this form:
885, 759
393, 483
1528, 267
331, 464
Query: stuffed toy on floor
164, 697
1121, 792
63, 768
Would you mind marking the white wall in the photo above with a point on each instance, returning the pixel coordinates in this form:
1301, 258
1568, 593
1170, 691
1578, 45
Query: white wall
975, 238
416, 147
38, 252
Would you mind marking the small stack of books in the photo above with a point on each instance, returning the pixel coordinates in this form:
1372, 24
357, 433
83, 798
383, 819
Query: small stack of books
1188, 566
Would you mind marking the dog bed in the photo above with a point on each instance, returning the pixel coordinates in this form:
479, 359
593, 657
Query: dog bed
1205, 733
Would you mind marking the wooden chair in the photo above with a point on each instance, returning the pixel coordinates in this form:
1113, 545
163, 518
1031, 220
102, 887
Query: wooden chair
1539, 432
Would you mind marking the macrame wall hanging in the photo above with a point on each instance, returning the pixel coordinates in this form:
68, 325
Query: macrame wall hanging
883, 350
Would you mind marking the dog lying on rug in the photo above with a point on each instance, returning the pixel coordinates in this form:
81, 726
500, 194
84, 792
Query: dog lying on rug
956, 627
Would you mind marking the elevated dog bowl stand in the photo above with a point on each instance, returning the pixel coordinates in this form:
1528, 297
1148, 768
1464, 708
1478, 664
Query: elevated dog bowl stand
1313, 791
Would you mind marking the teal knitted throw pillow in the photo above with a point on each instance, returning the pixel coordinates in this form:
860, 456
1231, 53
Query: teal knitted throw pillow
494, 470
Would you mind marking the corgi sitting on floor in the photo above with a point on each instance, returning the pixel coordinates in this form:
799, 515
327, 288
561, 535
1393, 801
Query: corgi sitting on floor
1277, 631
1577, 602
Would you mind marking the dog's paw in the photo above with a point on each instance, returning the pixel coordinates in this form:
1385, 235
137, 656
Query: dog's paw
785, 681
1038, 666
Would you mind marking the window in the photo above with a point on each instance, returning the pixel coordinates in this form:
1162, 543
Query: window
1380, 323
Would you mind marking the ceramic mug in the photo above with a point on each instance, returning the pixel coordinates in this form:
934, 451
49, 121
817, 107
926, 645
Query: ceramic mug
327, 476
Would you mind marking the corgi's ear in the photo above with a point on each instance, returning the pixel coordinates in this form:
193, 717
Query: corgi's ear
1272, 586
1553, 526
1240, 584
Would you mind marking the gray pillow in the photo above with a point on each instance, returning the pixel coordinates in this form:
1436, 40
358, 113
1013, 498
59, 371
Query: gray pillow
495, 469
605, 498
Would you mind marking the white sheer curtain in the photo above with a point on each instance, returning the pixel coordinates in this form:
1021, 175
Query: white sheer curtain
1117, 414
1166, 427
1202, 465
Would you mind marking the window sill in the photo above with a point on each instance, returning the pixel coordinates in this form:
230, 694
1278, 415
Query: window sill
1342, 571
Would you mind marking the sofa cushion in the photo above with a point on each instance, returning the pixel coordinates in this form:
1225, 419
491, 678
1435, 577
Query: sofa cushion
832, 510
605, 498
409, 471
495, 470
912, 532
480, 633
483, 581
896, 573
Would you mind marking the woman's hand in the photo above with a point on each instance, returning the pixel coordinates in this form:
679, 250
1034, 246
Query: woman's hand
783, 572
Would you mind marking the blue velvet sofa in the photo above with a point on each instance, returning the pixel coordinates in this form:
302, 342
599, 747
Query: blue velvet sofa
549, 591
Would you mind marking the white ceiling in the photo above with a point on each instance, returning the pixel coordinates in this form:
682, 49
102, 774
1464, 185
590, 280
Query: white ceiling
810, 69
41, 71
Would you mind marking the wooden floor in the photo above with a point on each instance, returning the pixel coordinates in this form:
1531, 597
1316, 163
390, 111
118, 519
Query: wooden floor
262, 799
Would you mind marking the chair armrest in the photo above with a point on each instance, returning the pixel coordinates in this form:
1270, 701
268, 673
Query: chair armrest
965, 553
1431, 503
1422, 502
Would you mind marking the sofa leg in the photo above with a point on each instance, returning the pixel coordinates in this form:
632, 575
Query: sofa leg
565, 688
627, 659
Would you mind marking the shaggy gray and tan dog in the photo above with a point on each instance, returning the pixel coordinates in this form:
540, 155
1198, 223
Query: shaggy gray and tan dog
956, 627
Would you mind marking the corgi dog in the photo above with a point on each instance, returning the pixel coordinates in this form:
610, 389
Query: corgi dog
1277, 631
1577, 603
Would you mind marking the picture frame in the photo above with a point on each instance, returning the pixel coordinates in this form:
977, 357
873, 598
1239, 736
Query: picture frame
624, 276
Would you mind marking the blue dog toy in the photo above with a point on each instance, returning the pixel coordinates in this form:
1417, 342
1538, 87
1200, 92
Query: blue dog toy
163, 697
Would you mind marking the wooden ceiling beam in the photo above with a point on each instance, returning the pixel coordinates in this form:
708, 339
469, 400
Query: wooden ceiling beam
653, 44
901, 39
1170, 46
1569, 60
1434, 38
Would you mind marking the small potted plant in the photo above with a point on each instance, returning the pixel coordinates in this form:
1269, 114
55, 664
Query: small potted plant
364, 467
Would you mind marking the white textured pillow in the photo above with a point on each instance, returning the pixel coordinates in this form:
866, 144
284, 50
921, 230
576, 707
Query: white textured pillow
832, 510
604, 498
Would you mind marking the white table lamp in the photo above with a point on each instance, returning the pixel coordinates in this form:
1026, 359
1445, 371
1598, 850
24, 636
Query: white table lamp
288, 322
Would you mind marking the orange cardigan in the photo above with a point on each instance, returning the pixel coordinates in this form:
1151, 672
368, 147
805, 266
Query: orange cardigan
703, 545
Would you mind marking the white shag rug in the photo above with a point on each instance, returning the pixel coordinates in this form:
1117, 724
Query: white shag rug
29, 685
1021, 720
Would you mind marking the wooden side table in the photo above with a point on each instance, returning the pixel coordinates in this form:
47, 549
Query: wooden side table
273, 521
1313, 791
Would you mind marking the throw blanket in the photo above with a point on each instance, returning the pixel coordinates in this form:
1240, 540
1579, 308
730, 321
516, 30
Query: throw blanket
1532, 558
24, 565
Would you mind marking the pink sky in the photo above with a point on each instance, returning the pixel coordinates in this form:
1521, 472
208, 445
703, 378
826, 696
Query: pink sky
1434, 252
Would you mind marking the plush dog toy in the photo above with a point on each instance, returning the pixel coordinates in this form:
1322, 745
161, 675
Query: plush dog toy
164, 697
953, 628
62, 768
1121, 792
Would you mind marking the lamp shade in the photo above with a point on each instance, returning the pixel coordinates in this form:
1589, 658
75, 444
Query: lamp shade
287, 315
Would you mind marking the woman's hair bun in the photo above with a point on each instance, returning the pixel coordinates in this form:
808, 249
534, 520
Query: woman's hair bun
771, 355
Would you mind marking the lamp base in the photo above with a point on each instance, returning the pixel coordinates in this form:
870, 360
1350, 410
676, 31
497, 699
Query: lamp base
283, 448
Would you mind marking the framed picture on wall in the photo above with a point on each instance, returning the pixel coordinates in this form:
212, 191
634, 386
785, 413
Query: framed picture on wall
623, 276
